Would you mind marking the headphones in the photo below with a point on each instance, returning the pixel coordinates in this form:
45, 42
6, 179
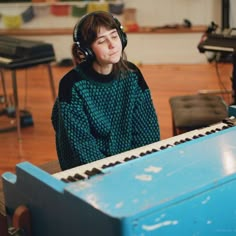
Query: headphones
85, 52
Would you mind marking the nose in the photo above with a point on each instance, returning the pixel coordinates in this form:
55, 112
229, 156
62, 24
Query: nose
110, 43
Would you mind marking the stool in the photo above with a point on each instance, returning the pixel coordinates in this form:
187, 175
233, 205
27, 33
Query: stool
196, 111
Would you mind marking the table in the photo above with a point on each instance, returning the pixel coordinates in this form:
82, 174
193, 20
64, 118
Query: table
25, 65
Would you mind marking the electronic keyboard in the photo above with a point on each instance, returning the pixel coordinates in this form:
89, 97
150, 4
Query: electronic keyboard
219, 42
19, 53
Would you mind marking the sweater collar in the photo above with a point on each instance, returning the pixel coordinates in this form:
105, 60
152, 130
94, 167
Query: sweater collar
93, 75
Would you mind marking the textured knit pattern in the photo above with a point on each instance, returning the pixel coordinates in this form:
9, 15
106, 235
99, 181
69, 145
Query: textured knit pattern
96, 116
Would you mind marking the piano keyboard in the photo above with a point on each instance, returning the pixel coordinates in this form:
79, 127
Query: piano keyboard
218, 48
5, 60
86, 171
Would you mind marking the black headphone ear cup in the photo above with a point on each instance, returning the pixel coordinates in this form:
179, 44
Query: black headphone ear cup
123, 39
87, 54
84, 54
122, 34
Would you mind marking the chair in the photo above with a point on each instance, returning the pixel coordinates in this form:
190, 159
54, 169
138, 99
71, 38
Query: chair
190, 112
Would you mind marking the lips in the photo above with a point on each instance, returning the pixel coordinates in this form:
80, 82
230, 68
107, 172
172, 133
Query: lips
113, 53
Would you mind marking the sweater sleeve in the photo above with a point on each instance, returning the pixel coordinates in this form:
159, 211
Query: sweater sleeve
75, 143
145, 121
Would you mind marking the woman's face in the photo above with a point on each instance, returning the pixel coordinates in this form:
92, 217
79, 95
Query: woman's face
107, 47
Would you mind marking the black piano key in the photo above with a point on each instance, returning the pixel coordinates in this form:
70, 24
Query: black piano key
165, 147
177, 142
93, 172
78, 176
130, 158
225, 127
65, 180
181, 141
149, 152
188, 139
142, 154
127, 159
110, 164
134, 157
107, 165
154, 150
71, 179
210, 132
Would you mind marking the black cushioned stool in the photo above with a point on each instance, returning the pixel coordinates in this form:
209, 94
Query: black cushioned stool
196, 111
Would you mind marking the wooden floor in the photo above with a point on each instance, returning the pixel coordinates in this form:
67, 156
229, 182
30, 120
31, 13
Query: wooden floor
37, 144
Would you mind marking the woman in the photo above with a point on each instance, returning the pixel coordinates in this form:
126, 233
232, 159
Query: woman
104, 105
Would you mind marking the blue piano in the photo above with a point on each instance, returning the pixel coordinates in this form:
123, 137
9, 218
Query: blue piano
185, 185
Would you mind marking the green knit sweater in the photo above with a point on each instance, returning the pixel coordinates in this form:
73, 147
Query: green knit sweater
96, 116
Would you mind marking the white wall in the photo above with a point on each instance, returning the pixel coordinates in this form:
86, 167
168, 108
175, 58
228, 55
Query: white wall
161, 12
232, 18
145, 48
164, 48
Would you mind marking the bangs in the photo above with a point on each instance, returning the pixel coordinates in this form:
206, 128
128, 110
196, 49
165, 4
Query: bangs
93, 24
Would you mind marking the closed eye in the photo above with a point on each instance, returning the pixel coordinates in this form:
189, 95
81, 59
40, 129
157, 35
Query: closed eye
101, 40
112, 35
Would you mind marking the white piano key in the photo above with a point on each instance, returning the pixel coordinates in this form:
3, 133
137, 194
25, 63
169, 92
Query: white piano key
218, 48
5, 60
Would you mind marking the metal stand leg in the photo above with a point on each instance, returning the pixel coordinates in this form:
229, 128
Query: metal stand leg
17, 110
51, 81
6, 111
4, 88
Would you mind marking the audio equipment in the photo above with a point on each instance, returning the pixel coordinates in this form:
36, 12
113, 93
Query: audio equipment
85, 51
